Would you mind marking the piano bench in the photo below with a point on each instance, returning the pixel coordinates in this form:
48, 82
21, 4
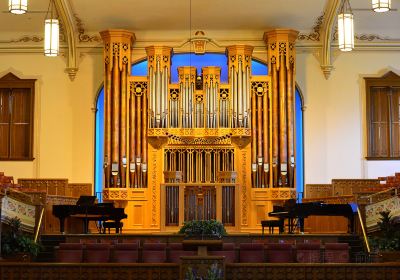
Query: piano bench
110, 225
271, 224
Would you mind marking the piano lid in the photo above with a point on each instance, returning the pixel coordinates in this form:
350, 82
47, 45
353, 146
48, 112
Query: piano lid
86, 200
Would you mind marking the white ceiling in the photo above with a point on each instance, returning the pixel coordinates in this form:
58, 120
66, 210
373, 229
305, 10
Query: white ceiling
150, 18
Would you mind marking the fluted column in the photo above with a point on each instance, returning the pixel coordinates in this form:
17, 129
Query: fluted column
117, 54
211, 83
281, 64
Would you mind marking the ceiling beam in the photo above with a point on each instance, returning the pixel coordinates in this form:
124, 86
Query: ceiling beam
66, 15
328, 29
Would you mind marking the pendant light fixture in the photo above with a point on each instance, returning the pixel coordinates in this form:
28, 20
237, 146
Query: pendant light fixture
381, 6
346, 27
51, 32
18, 7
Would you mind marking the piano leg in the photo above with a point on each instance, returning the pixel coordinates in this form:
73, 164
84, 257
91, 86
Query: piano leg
301, 223
117, 224
62, 220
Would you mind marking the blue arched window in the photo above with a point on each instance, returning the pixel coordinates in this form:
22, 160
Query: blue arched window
198, 61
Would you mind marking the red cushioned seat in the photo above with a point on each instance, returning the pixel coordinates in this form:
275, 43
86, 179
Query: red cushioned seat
228, 251
126, 252
70, 253
251, 253
280, 253
308, 253
154, 252
336, 253
176, 251
97, 253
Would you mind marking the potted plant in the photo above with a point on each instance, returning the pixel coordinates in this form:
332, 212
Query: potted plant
17, 246
203, 229
387, 242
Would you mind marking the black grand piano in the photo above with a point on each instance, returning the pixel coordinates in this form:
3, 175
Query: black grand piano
296, 212
87, 210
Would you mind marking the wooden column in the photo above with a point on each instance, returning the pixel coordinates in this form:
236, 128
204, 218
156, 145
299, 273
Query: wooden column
281, 64
117, 64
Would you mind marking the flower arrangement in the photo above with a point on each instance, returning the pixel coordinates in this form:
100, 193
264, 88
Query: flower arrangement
203, 228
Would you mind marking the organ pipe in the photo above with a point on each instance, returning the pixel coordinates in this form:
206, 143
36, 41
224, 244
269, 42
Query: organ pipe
132, 139
116, 58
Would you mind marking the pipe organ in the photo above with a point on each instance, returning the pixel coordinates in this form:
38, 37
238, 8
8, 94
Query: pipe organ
200, 148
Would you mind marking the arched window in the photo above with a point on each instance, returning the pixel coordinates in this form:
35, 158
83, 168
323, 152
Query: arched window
198, 61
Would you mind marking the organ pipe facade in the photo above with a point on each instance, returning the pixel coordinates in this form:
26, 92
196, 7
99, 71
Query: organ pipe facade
198, 148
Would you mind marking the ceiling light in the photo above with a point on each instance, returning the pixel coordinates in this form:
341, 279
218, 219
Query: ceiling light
18, 6
381, 6
346, 27
51, 32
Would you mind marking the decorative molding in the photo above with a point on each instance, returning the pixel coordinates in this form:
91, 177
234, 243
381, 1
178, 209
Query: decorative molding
328, 27
65, 14
244, 189
82, 36
25, 39
315, 35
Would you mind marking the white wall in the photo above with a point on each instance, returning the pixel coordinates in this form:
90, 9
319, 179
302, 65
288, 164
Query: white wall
334, 120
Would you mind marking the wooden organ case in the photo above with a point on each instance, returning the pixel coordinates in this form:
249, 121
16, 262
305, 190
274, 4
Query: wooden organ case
198, 149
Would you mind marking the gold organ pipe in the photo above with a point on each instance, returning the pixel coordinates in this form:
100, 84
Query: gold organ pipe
290, 122
275, 129
254, 135
138, 139
132, 140
107, 124
123, 134
282, 121
144, 134
259, 127
265, 138
115, 114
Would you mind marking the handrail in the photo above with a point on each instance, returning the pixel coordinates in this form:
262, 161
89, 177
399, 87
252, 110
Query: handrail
39, 224
363, 230
370, 197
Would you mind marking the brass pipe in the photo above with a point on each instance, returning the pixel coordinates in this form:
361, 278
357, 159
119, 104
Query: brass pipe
254, 135
144, 134
265, 139
132, 140
116, 120
138, 139
282, 122
275, 129
107, 124
122, 137
290, 125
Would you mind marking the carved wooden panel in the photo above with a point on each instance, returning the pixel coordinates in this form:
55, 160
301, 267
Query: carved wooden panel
318, 190
350, 186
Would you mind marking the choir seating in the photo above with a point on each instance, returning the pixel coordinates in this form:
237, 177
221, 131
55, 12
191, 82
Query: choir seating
251, 253
336, 253
97, 253
126, 253
70, 253
176, 251
308, 252
279, 253
154, 253
228, 251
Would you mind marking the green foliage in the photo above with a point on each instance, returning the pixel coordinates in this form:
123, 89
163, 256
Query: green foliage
200, 228
14, 241
388, 238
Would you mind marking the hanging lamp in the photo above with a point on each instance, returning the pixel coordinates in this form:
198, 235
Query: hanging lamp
381, 6
51, 32
17, 7
346, 27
